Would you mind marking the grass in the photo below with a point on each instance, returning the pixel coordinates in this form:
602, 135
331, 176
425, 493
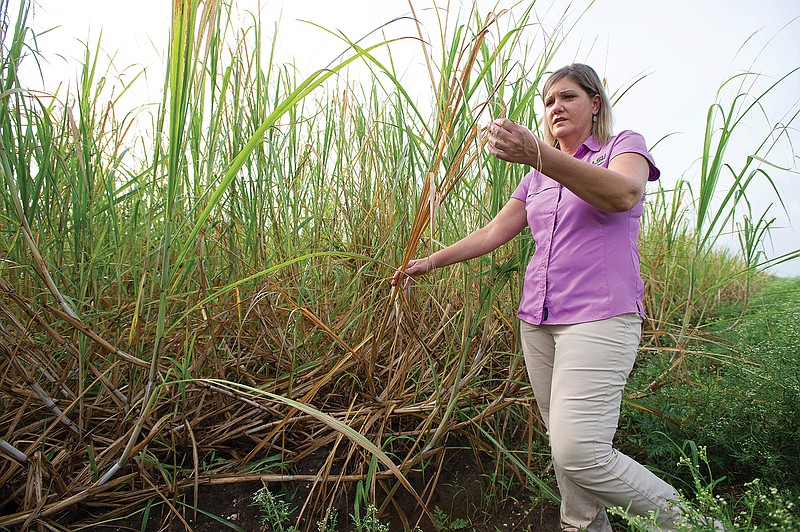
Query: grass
209, 298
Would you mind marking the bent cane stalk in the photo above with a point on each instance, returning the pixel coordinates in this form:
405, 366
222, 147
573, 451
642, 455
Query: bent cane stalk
38, 262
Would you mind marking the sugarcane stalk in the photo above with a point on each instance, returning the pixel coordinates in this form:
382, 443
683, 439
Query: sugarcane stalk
12, 452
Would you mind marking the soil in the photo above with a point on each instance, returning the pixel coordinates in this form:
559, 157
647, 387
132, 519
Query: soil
462, 501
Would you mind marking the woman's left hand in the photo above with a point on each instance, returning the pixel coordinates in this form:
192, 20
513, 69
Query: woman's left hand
513, 142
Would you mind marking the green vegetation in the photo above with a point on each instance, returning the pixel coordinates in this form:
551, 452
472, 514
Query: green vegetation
755, 508
370, 522
741, 401
205, 297
275, 511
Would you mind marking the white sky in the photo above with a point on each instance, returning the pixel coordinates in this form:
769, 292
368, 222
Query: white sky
687, 48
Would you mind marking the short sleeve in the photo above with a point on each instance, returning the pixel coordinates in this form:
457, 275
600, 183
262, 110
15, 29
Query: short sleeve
521, 192
631, 142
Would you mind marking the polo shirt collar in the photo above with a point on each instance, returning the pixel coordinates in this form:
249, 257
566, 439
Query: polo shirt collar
589, 145
592, 144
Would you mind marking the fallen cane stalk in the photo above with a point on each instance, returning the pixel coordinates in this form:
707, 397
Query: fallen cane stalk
59, 506
12, 451
152, 397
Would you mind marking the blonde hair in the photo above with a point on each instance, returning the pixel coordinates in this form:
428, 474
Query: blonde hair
589, 81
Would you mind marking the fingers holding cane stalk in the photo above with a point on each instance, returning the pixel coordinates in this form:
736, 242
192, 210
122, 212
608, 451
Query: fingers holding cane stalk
414, 268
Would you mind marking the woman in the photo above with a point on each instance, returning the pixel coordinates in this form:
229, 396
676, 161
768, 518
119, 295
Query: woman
581, 307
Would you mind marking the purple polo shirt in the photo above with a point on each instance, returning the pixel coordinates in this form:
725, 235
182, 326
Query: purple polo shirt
586, 263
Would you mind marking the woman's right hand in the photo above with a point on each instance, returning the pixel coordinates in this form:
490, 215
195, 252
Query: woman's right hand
414, 268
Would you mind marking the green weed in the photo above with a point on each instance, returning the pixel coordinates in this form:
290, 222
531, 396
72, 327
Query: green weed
759, 507
370, 522
329, 522
274, 510
446, 523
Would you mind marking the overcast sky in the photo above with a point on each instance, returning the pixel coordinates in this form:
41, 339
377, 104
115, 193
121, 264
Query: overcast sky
687, 48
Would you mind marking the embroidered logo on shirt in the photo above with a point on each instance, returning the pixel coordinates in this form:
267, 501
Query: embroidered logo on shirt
599, 160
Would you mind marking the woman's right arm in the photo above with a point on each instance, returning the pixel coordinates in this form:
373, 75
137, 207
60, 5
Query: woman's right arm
511, 219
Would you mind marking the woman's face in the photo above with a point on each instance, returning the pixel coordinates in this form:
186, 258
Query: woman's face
569, 111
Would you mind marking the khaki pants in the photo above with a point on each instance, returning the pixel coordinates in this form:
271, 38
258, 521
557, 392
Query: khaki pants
578, 374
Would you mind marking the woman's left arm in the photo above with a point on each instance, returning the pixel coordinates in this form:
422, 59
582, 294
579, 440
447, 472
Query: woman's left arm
617, 188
